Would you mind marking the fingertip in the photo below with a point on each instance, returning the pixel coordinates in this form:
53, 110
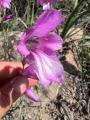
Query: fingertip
32, 82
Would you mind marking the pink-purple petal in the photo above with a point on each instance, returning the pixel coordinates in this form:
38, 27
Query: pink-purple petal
29, 59
45, 1
40, 71
30, 71
5, 4
52, 1
53, 67
8, 17
47, 22
48, 69
42, 1
30, 93
51, 42
22, 49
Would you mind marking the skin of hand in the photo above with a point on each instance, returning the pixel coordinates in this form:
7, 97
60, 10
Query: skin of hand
12, 84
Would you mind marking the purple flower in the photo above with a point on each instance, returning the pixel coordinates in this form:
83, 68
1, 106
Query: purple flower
39, 46
8, 17
5, 4
46, 1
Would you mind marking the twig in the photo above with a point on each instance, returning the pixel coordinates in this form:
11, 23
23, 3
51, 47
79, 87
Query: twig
19, 19
68, 112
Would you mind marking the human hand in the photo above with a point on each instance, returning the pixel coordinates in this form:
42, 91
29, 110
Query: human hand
12, 84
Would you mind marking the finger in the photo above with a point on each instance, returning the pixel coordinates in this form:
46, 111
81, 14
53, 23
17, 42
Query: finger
22, 84
12, 91
9, 70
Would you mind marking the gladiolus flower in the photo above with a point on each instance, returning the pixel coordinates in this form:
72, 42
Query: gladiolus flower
39, 46
46, 1
5, 4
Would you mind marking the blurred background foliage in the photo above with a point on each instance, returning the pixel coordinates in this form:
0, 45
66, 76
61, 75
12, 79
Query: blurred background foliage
75, 12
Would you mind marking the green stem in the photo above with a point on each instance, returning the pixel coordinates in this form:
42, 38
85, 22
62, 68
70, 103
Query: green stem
32, 18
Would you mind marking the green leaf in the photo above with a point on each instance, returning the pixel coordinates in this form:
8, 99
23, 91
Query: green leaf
72, 15
76, 3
